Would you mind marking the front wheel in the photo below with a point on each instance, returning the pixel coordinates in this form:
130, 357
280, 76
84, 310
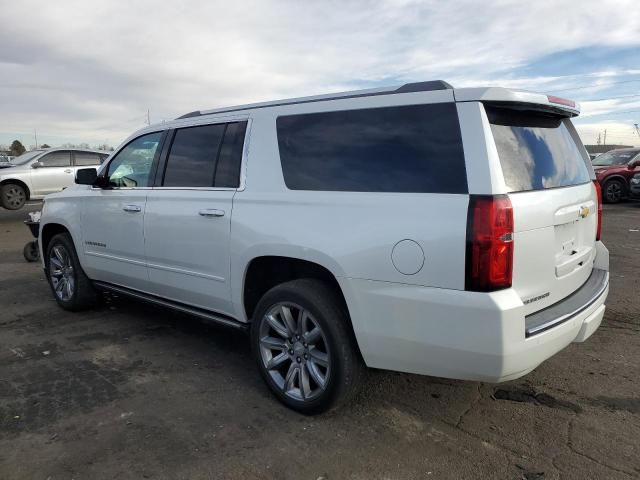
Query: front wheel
304, 346
613, 191
71, 288
13, 196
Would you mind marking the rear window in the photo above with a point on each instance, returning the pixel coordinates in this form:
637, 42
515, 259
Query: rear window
537, 151
396, 149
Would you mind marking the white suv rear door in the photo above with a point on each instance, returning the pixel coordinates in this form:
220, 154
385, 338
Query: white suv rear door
187, 223
548, 178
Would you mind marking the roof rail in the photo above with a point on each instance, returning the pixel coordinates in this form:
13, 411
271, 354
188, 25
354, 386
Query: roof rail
406, 88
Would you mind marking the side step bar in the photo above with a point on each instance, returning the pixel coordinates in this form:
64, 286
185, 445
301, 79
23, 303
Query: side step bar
215, 317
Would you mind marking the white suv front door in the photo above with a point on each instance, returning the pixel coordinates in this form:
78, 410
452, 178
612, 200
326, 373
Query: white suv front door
113, 216
188, 217
53, 174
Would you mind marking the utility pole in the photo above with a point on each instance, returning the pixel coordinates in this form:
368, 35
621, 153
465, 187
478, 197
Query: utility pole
35, 134
599, 139
605, 136
148, 117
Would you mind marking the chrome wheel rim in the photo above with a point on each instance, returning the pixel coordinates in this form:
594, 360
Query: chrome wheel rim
614, 192
61, 273
295, 352
15, 196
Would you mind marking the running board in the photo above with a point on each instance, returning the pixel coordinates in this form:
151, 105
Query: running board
218, 318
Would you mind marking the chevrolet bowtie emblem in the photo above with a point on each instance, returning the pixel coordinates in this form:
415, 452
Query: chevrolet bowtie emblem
584, 212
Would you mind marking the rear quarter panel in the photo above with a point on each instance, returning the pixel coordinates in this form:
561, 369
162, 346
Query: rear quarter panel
352, 234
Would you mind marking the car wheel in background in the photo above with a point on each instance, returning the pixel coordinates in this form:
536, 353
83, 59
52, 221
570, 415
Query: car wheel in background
613, 191
304, 347
71, 288
12, 196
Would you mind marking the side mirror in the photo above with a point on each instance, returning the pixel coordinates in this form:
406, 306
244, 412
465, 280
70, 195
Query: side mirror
37, 165
634, 164
86, 176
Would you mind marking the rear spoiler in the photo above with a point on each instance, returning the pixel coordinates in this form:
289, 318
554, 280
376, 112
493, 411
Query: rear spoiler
500, 95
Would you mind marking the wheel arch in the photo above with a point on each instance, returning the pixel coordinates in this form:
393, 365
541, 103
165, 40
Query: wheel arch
618, 177
22, 183
264, 272
47, 232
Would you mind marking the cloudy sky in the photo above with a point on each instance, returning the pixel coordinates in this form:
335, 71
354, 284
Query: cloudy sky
87, 71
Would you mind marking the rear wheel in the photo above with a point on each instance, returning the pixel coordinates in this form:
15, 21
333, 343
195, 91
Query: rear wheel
613, 191
71, 288
304, 347
13, 196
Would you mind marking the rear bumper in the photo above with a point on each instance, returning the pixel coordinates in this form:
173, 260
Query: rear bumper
463, 335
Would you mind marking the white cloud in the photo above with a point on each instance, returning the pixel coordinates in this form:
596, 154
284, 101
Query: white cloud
91, 69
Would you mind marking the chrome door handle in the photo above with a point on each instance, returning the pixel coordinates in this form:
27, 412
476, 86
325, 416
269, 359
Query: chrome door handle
67, 170
211, 212
132, 208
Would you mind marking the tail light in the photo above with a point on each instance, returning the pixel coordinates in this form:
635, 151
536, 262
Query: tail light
599, 193
489, 262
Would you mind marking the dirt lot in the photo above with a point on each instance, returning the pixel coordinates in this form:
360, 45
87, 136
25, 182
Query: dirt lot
132, 391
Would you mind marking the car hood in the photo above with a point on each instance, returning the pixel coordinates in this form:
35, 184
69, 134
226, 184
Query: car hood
14, 169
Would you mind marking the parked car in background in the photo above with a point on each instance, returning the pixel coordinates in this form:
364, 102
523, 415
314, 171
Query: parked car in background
634, 186
37, 173
5, 161
423, 229
614, 171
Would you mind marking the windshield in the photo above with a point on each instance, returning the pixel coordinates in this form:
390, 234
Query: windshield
537, 151
25, 157
615, 158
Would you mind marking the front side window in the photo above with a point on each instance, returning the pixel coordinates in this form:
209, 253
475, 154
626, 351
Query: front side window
416, 148
131, 167
56, 159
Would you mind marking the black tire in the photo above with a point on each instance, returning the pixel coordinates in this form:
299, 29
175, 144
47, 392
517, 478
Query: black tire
614, 191
13, 196
31, 252
346, 368
83, 295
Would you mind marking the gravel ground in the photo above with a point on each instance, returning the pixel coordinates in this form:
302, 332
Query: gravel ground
133, 391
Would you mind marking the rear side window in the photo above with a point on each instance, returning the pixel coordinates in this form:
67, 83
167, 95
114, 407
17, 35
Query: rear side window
537, 151
192, 159
206, 156
86, 158
414, 148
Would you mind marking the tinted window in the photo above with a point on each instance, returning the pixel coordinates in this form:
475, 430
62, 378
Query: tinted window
86, 158
192, 159
537, 151
131, 167
398, 149
56, 159
615, 157
230, 159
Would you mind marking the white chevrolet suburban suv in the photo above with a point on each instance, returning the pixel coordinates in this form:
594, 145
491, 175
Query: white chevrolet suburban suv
423, 229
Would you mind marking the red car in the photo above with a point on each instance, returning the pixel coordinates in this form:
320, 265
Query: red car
614, 170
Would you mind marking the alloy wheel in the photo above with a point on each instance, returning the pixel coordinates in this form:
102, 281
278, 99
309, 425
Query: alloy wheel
614, 192
14, 196
294, 351
61, 273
